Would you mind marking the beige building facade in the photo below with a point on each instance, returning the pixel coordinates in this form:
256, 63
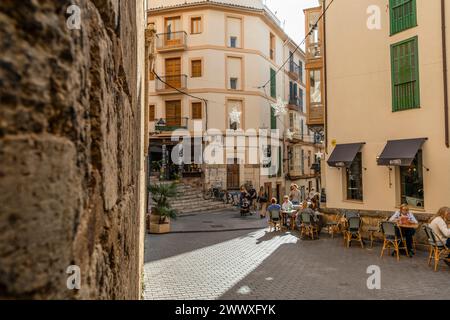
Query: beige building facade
387, 128
213, 59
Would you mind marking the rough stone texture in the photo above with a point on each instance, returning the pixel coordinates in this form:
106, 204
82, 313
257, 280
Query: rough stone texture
70, 149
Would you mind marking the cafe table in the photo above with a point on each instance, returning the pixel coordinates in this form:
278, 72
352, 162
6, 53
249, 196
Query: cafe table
403, 226
288, 214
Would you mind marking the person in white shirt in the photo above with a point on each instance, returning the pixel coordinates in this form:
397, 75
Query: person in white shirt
407, 232
440, 228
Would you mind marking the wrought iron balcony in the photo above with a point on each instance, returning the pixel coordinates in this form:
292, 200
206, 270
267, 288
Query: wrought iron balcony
171, 83
295, 104
171, 41
171, 124
294, 70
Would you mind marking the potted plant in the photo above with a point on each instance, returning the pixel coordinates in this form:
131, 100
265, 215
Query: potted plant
162, 212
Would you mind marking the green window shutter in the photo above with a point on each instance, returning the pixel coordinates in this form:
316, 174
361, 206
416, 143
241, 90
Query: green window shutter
273, 84
403, 15
273, 119
405, 75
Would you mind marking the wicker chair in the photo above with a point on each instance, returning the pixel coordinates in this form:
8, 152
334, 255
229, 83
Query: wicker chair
438, 249
391, 240
334, 226
274, 220
353, 233
307, 226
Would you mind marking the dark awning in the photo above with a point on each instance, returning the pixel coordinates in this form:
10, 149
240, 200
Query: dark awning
400, 152
344, 154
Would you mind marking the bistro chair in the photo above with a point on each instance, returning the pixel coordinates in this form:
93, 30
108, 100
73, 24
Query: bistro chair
334, 226
274, 220
438, 250
391, 240
353, 233
307, 226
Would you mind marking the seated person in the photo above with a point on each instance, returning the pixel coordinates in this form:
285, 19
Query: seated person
439, 226
273, 207
404, 215
287, 204
308, 208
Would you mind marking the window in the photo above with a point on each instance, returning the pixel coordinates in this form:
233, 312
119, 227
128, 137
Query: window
302, 128
233, 42
280, 162
309, 159
233, 83
354, 179
405, 75
267, 161
196, 68
151, 111
411, 181
273, 83
301, 100
300, 70
291, 120
403, 14
315, 86
196, 110
196, 25
302, 161
273, 119
272, 47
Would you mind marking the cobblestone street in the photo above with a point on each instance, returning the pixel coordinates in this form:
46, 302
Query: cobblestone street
245, 264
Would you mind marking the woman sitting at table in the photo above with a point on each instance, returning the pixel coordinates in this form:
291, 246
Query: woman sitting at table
439, 226
405, 217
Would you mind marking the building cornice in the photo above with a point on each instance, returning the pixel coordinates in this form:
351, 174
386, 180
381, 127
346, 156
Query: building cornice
264, 14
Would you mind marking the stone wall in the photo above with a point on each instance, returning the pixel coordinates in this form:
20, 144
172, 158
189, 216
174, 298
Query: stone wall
70, 149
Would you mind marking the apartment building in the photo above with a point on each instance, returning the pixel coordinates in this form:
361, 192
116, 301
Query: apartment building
387, 105
212, 59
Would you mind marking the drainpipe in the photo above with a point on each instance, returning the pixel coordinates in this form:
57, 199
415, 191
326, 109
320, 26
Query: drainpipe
325, 76
444, 54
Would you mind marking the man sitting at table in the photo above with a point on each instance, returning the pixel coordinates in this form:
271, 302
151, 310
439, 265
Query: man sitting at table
287, 207
404, 216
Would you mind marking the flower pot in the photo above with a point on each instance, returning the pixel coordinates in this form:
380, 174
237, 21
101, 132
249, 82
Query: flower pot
156, 227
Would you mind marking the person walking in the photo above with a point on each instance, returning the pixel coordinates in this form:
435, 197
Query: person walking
263, 198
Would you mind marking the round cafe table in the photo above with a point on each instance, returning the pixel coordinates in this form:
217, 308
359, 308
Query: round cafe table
288, 215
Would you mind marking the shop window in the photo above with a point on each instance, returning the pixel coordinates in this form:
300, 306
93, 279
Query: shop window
411, 182
354, 179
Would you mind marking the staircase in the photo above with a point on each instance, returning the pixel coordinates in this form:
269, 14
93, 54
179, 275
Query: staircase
190, 200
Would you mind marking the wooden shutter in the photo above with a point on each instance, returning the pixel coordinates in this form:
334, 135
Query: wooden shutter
273, 83
173, 113
173, 72
405, 75
152, 113
197, 110
403, 15
196, 25
196, 66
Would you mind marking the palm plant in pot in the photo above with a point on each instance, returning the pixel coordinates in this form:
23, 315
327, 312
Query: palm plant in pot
162, 212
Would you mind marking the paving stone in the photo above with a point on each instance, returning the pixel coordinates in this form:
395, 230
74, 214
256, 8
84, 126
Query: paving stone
218, 265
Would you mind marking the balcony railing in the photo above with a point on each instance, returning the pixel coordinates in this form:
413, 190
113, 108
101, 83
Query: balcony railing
295, 104
171, 124
171, 41
294, 70
172, 82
